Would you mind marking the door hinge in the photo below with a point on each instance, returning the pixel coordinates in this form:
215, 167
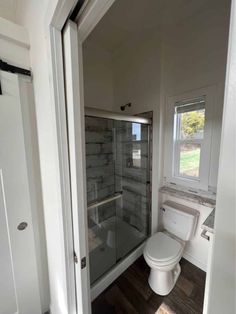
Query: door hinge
83, 262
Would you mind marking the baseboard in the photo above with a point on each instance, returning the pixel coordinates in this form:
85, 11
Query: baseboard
195, 262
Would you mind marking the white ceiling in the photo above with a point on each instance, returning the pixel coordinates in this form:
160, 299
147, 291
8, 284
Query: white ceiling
8, 9
130, 19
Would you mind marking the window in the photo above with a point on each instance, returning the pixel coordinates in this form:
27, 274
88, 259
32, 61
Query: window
136, 145
189, 125
188, 159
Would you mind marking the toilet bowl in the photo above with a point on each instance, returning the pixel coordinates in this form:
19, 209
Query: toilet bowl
164, 250
162, 253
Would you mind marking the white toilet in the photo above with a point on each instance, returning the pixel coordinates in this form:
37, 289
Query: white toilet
164, 250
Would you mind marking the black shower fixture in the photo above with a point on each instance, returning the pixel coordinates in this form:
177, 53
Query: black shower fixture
122, 108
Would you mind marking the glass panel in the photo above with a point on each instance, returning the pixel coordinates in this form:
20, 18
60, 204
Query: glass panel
132, 175
191, 124
102, 239
189, 160
136, 131
136, 155
99, 158
117, 160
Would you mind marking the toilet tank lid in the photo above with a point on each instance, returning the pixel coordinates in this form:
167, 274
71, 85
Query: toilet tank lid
188, 211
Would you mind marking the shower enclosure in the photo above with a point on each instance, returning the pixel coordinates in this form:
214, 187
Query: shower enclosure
118, 187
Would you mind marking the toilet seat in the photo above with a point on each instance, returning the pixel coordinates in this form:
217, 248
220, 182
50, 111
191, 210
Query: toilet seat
163, 250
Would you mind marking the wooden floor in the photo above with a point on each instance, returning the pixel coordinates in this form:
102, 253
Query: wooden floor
130, 293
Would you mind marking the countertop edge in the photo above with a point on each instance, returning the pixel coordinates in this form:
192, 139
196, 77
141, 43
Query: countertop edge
188, 196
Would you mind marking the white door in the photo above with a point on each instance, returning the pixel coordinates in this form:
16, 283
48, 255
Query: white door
75, 116
19, 291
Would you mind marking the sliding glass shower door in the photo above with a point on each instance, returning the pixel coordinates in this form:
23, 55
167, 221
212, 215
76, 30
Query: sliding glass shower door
118, 181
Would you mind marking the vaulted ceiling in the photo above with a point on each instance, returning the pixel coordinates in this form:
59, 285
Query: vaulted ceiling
129, 19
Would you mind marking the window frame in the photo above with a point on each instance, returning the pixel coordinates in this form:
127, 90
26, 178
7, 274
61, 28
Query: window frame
177, 142
170, 162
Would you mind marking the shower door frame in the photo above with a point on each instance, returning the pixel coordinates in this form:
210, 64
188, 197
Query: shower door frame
107, 278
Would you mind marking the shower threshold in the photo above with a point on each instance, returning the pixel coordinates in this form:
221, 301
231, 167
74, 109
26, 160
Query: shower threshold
119, 246
100, 285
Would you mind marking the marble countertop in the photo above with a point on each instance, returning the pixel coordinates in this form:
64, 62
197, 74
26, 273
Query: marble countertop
202, 198
208, 224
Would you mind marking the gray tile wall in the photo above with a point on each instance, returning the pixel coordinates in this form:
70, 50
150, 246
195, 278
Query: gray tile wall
99, 158
132, 180
108, 151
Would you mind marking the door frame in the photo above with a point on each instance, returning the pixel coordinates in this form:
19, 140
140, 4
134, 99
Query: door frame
56, 16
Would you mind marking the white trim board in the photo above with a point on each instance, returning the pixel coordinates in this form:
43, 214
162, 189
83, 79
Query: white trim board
64, 291
91, 15
14, 33
76, 141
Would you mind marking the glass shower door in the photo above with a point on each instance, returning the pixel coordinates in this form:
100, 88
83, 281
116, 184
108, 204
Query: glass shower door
117, 170
101, 208
132, 177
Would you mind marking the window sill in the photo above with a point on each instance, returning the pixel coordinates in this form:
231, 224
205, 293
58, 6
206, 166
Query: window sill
207, 199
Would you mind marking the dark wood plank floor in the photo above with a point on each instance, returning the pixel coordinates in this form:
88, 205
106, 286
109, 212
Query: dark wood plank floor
131, 294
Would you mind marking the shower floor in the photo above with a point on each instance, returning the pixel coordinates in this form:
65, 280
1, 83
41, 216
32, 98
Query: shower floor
109, 242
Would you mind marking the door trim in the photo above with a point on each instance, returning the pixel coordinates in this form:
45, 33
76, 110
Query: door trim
56, 17
75, 125
55, 20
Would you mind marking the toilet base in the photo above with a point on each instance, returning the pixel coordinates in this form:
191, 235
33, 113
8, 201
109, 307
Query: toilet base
162, 282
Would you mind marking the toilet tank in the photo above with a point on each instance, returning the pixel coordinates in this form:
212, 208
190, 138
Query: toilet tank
179, 220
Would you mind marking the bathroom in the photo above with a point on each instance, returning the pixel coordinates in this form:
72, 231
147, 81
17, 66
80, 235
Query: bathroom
118, 156
138, 61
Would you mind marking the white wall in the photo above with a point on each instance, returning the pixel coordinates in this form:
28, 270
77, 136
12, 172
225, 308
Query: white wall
98, 77
221, 291
137, 74
181, 58
195, 56
8, 9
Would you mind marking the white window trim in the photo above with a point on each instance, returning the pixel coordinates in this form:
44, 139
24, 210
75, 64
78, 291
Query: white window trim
169, 160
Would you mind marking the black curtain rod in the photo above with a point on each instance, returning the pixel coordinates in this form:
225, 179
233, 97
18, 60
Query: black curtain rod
4, 66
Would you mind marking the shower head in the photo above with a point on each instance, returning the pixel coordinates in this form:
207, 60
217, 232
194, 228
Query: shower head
122, 108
